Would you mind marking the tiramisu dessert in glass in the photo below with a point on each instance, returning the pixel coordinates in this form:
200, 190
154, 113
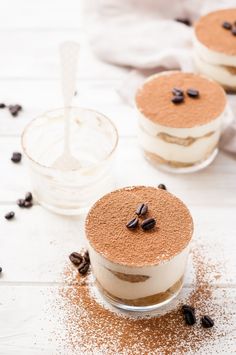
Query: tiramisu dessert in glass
215, 47
180, 119
138, 240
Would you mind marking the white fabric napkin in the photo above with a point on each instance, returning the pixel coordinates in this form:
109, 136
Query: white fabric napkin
145, 36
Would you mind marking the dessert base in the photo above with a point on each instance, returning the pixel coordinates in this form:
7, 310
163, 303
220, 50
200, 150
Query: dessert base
143, 304
179, 167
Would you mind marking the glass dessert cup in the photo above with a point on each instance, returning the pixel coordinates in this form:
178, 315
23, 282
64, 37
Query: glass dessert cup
183, 137
138, 270
93, 141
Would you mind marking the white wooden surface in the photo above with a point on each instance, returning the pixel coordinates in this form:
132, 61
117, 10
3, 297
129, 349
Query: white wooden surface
35, 246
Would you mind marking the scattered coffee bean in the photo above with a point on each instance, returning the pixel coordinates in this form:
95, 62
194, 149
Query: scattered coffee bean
148, 224
28, 197
177, 99
162, 186
16, 157
83, 268
14, 109
132, 224
227, 25
10, 215
86, 256
177, 92
233, 31
185, 21
2, 105
186, 309
207, 322
193, 93
28, 204
76, 258
190, 318
0, 269
142, 209
21, 202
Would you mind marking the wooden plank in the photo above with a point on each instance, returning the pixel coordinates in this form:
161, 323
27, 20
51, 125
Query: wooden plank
29, 324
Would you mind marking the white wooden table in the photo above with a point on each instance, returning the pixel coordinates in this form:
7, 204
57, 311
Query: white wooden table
35, 246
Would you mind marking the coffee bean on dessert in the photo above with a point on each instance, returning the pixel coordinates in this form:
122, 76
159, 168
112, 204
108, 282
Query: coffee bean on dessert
2, 105
76, 258
189, 317
142, 209
21, 202
186, 308
83, 268
10, 215
193, 93
207, 322
0, 269
148, 224
233, 31
16, 157
132, 224
28, 204
177, 92
28, 197
177, 99
162, 186
86, 256
227, 25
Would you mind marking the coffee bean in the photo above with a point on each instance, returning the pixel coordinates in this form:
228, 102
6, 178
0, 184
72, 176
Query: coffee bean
0, 269
76, 258
142, 209
186, 309
148, 224
10, 215
28, 197
28, 204
227, 25
2, 105
16, 157
86, 256
162, 186
14, 109
177, 99
189, 317
185, 21
21, 202
83, 268
177, 92
207, 322
193, 93
132, 224
233, 31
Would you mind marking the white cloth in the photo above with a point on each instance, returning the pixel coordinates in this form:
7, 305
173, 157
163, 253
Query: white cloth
143, 35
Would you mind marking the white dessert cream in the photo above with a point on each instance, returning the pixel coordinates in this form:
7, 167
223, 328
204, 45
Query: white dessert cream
184, 134
136, 268
215, 47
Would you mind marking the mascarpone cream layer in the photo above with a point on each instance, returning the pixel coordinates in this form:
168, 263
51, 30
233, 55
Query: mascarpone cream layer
147, 281
216, 72
206, 138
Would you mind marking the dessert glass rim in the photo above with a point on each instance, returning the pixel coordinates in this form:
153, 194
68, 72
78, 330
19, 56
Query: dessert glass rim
166, 72
144, 265
111, 152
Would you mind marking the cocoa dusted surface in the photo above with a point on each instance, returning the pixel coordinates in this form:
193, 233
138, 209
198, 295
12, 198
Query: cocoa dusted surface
210, 33
153, 100
107, 232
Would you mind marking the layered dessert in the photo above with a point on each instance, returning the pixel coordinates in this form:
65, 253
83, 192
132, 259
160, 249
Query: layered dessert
138, 240
215, 47
180, 120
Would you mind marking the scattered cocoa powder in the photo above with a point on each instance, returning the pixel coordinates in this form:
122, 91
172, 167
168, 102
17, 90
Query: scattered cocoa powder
92, 328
